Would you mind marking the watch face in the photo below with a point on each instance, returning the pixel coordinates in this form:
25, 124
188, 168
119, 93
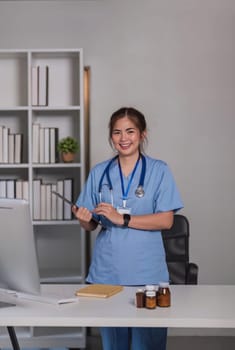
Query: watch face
126, 218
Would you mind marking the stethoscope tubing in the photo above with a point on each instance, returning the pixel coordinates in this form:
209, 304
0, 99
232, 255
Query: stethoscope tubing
107, 173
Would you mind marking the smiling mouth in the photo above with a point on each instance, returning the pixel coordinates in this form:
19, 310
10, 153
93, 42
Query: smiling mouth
124, 145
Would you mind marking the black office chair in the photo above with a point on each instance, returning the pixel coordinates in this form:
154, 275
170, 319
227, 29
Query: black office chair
176, 243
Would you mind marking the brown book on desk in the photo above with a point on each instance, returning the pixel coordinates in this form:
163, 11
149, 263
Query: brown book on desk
99, 290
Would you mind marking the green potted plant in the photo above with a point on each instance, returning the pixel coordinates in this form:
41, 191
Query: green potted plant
68, 147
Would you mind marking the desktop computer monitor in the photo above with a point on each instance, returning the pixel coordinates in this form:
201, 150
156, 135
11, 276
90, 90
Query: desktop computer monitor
18, 258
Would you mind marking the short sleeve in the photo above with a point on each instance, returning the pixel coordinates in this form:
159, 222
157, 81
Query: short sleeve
167, 196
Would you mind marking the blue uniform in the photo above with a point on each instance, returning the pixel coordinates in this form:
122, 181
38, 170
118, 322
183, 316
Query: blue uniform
128, 256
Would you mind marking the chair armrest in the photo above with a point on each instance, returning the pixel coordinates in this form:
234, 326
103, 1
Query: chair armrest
192, 274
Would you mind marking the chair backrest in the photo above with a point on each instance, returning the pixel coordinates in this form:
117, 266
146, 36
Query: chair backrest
176, 243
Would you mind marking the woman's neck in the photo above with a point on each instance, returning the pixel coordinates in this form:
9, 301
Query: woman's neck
128, 163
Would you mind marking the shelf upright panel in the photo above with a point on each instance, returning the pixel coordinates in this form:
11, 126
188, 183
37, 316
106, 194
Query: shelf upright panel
60, 243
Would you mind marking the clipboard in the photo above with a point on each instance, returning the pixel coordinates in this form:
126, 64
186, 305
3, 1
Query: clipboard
99, 290
64, 198
71, 203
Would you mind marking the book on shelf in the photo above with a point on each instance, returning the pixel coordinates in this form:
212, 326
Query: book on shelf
41, 145
36, 199
68, 194
53, 202
43, 202
48, 206
10, 188
14, 188
1, 143
26, 190
3, 189
54, 135
5, 144
46, 145
19, 189
18, 148
60, 203
45, 140
35, 136
43, 86
11, 148
48, 201
34, 85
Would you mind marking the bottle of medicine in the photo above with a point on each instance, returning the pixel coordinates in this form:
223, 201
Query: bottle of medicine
140, 298
164, 295
150, 297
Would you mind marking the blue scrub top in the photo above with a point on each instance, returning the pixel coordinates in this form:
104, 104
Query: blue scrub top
123, 255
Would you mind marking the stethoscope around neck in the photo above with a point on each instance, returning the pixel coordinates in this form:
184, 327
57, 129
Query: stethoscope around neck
139, 192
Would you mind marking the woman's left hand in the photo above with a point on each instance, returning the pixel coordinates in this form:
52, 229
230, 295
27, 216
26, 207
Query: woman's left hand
108, 211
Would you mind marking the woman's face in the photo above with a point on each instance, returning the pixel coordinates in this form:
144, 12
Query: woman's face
126, 137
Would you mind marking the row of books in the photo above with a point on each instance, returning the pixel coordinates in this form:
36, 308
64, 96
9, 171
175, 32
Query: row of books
12, 188
11, 145
45, 140
39, 83
47, 205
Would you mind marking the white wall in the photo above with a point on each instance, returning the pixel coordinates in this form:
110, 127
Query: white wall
174, 60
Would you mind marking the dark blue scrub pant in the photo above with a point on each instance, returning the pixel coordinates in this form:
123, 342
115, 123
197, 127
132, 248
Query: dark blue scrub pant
136, 338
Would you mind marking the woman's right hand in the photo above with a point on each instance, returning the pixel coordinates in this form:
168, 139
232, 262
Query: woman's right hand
82, 214
85, 218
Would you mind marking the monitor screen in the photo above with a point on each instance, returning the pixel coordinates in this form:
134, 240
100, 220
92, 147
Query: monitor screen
18, 258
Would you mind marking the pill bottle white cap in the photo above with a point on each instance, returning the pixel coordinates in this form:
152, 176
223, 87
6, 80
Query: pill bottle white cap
164, 284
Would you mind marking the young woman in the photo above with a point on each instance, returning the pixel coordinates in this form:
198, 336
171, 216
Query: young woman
133, 197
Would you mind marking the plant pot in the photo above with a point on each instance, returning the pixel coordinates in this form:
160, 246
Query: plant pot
68, 157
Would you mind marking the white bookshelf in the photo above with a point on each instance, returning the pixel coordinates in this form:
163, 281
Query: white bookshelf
60, 243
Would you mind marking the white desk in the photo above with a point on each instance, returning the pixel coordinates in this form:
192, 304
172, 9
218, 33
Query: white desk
192, 307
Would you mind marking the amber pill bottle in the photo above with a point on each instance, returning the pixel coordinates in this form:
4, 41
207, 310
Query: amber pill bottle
140, 298
150, 297
164, 295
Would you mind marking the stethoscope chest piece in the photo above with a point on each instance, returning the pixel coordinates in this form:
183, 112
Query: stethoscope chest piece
139, 192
